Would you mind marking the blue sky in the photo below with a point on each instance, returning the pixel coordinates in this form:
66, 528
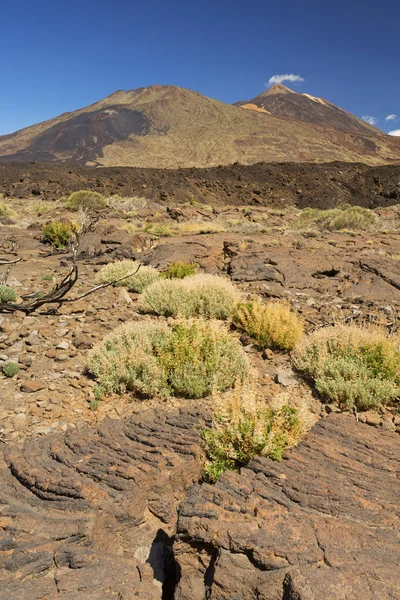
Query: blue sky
57, 57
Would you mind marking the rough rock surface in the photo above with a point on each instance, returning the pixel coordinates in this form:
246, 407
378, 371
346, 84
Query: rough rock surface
321, 524
89, 515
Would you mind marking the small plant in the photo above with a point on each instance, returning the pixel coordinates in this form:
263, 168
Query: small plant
6, 211
179, 270
98, 391
271, 325
337, 219
7, 294
86, 200
158, 229
208, 296
10, 369
353, 366
140, 279
94, 405
43, 208
58, 233
244, 425
152, 359
48, 277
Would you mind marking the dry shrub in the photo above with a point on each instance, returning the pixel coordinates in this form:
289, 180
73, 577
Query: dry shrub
6, 212
86, 200
208, 296
337, 219
271, 325
190, 358
140, 279
244, 424
195, 227
353, 366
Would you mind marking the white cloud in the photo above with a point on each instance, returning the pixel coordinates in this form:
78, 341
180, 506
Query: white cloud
391, 118
370, 120
395, 132
287, 77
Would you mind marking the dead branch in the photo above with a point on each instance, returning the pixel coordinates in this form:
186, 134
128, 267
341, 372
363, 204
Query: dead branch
57, 295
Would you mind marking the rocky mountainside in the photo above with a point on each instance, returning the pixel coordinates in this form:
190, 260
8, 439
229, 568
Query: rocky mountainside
284, 102
171, 127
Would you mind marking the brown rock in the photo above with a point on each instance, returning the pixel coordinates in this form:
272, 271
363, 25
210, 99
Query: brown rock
32, 386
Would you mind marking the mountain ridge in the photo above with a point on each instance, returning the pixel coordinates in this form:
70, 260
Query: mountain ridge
171, 127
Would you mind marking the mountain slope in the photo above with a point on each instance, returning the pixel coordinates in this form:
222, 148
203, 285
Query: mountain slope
282, 101
170, 127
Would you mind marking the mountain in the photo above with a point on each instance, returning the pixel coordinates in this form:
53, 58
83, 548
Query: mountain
282, 101
171, 127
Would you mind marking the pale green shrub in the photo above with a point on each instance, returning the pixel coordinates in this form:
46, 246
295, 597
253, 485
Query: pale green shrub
6, 211
179, 270
271, 325
58, 233
140, 279
151, 359
208, 296
336, 219
353, 366
244, 425
7, 293
86, 200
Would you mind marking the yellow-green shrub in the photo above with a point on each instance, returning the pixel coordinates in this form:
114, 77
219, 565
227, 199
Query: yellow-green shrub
245, 425
58, 233
179, 270
336, 219
7, 294
271, 325
6, 211
86, 200
137, 283
189, 358
353, 366
206, 296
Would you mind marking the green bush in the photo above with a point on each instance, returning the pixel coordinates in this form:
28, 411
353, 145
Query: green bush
206, 296
6, 211
179, 270
7, 294
271, 325
140, 279
151, 359
336, 219
353, 366
10, 369
58, 233
244, 425
86, 200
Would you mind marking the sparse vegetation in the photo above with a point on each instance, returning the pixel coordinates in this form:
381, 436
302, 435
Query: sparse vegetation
272, 325
158, 229
179, 270
151, 359
58, 233
43, 208
86, 200
244, 425
337, 219
140, 279
353, 366
7, 294
208, 296
48, 277
10, 369
6, 211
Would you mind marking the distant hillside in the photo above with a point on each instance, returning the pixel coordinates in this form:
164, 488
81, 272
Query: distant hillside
284, 102
171, 127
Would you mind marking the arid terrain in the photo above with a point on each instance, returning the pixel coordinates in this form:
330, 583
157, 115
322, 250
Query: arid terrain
172, 127
105, 497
